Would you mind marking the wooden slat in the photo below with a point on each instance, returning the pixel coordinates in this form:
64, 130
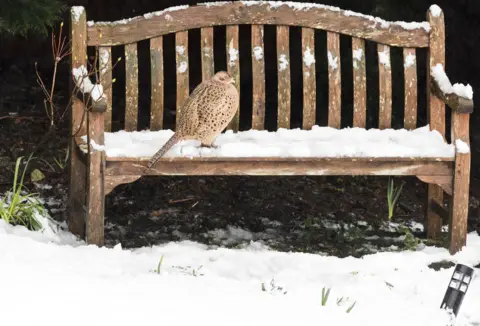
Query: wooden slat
157, 83
461, 184
280, 166
410, 73
233, 67
131, 87
79, 58
436, 55
238, 13
77, 176
258, 78
433, 221
359, 83
334, 80
181, 50
95, 181
385, 87
435, 113
309, 78
283, 68
105, 63
417, 159
208, 69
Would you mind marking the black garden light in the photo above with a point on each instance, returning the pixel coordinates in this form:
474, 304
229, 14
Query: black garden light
457, 288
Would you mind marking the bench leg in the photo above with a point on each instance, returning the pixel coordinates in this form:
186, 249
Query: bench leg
76, 206
95, 200
434, 221
96, 181
459, 203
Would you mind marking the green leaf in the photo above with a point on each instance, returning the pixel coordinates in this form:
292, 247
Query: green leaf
37, 175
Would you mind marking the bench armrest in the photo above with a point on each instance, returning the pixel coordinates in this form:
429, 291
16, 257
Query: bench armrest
90, 94
456, 102
99, 106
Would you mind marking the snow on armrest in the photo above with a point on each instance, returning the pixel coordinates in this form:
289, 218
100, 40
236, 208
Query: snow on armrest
93, 93
459, 97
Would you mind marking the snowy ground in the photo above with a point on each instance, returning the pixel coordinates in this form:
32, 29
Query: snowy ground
53, 279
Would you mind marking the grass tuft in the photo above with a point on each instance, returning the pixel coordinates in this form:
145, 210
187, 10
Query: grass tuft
18, 207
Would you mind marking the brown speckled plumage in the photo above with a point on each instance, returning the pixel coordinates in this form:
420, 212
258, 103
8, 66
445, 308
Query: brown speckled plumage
204, 115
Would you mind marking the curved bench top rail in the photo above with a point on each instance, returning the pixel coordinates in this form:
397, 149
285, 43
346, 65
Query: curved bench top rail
334, 19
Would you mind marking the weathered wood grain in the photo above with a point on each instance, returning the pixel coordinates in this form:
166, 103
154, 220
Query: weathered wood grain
309, 78
208, 66
238, 13
281, 166
334, 81
131, 87
291, 159
411, 88
77, 173
112, 181
435, 113
444, 181
458, 104
105, 63
461, 185
157, 83
385, 87
258, 78
283, 68
233, 67
359, 83
183, 90
96, 178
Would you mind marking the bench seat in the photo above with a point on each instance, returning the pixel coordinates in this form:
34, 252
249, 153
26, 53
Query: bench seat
320, 142
320, 151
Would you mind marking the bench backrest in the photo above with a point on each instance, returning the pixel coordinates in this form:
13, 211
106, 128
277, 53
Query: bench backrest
308, 17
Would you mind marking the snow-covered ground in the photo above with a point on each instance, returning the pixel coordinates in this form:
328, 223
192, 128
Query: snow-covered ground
318, 142
53, 279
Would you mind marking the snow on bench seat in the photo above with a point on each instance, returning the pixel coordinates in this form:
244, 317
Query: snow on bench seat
318, 142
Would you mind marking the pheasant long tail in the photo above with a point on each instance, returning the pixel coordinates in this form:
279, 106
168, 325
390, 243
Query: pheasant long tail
169, 144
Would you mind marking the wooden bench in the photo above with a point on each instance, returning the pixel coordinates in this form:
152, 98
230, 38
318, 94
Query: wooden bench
94, 174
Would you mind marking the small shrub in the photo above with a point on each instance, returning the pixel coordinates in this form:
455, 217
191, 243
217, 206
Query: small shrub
392, 197
190, 271
351, 307
340, 301
274, 288
325, 295
159, 266
19, 207
410, 242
